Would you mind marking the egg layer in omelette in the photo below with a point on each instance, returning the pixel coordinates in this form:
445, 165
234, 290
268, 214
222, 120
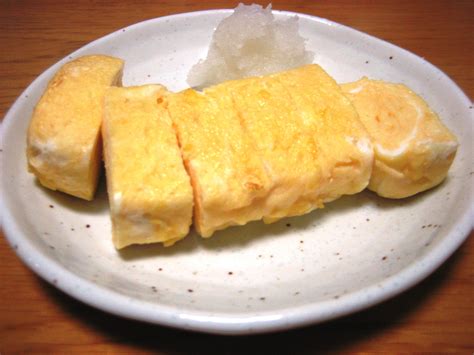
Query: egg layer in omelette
413, 149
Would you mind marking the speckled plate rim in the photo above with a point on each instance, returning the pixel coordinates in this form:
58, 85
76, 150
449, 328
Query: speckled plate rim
223, 323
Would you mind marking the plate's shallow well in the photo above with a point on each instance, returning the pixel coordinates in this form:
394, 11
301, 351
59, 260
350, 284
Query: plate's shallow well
356, 252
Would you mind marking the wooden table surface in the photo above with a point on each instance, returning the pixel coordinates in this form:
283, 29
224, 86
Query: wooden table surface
437, 315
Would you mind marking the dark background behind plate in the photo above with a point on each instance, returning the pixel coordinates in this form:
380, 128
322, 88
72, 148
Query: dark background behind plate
437, 315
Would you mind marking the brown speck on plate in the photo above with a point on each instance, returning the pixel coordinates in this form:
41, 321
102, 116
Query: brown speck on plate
384, 258
391, 57
160, 269
262, 298
367, 219
88, 225
190, 290
51, 206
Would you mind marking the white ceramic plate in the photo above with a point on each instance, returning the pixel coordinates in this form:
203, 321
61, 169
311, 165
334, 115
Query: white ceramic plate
358, 251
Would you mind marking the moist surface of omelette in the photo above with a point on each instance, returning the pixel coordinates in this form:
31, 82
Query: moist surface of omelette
269, 147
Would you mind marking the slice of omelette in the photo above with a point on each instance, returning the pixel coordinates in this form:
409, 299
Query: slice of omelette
288, 151
413, 149
149, 190
229, 180
269, 147
64, 142
308, 135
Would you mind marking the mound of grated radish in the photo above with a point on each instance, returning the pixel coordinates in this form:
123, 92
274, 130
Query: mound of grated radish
250, 42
